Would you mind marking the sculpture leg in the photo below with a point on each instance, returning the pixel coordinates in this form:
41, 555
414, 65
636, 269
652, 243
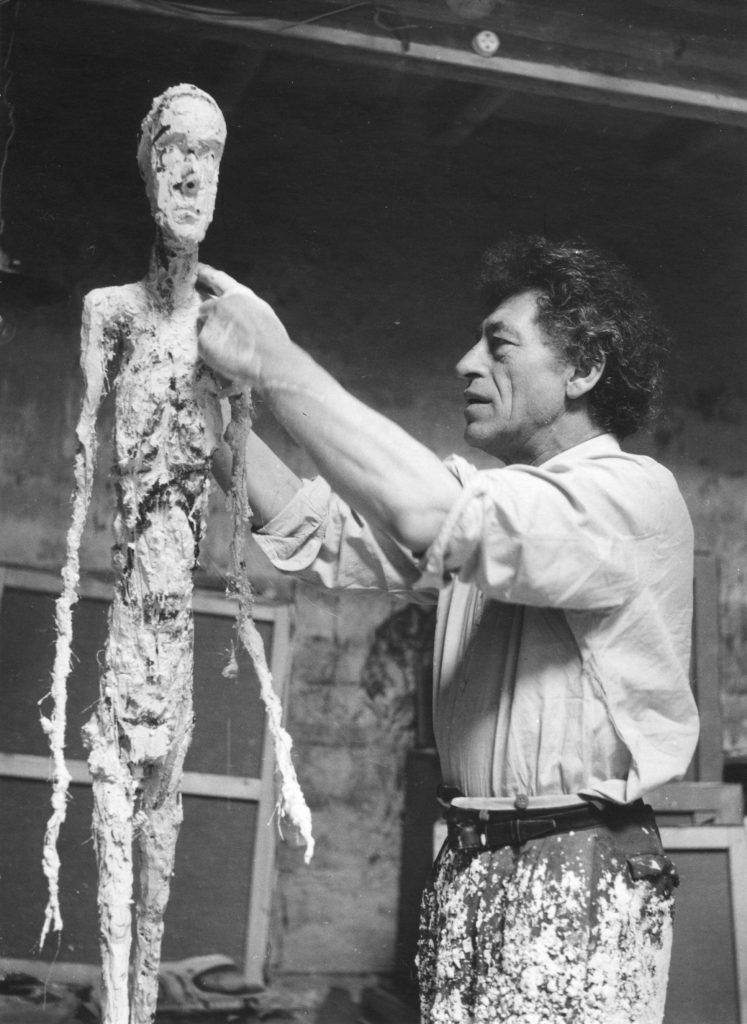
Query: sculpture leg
157, 824
113, 797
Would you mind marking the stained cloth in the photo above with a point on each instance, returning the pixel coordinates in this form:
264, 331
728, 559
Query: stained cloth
561, 662
569, 929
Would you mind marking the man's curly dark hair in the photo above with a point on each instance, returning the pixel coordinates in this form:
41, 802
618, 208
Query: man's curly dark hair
591, 308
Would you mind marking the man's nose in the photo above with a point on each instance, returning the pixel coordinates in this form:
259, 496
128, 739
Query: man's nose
472, 363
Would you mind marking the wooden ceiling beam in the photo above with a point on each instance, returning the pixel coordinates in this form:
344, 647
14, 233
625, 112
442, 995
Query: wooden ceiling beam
538, 75
675, 43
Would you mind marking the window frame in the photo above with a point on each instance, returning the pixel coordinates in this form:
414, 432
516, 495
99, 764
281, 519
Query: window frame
259, 790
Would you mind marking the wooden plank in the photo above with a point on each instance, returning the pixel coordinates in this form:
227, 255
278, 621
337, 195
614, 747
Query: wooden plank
259, 791
738, 873
263, 870
715, 803
733, 840
44, 582
709, 757
31, 766
677, 43
229, 787
690, 37
718, 102
204, 601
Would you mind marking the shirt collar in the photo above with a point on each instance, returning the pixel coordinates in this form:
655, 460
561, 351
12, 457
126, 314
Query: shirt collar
601, 444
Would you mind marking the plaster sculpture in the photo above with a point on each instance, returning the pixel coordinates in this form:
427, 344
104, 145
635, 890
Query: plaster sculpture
141, 340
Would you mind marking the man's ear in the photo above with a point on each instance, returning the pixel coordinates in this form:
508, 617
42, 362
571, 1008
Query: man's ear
584, 378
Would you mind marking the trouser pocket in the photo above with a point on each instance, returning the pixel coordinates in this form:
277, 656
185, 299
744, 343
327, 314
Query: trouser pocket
655, 868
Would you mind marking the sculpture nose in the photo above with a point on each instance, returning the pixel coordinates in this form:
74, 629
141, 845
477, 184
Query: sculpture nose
190, 183
191, 177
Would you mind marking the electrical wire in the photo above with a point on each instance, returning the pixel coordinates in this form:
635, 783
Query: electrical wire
328, 14
187, 8
385, 16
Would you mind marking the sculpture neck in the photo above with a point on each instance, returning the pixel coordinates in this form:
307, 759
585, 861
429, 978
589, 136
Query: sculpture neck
172, 275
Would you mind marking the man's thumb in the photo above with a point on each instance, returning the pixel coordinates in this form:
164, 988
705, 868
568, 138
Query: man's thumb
214, 281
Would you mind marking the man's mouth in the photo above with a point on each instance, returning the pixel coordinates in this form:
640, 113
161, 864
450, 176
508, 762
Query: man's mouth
472, 398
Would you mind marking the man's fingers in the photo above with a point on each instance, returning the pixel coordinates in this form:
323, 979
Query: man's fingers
215, 281
203, 313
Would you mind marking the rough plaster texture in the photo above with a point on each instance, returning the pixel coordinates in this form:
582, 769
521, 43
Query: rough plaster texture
140, 341
339, 210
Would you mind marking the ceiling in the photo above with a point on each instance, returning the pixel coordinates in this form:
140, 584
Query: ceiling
672, 58
665, 77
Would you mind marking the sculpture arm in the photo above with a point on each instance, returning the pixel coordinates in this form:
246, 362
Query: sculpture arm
95, 356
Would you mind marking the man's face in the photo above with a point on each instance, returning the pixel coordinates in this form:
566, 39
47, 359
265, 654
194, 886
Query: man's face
182, 176
516, 385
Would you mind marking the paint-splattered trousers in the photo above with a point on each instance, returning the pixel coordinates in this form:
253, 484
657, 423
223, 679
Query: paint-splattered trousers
573, 928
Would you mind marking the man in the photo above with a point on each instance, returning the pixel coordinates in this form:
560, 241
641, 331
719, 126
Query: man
562, 640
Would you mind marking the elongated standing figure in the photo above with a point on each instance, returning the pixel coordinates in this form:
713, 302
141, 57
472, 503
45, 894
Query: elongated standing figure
141, 338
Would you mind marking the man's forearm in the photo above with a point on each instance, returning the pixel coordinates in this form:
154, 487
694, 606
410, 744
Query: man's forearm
371, 462
270, 483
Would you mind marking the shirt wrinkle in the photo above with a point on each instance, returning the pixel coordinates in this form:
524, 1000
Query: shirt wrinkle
561, 658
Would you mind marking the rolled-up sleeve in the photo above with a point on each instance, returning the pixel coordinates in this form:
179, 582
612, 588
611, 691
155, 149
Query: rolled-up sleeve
546, 536
320, 539
293, 538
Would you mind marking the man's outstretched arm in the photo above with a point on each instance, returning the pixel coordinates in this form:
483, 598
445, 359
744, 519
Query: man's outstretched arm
370, 462
270, 485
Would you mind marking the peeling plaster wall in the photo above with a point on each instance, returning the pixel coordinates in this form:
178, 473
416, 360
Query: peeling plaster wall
342, 910
365, 237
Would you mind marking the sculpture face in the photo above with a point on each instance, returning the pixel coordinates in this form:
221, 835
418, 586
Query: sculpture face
181, 172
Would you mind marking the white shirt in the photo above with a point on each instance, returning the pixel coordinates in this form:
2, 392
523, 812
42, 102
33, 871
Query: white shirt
561, 661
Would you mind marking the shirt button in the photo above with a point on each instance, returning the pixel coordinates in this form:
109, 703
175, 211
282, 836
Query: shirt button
521, 801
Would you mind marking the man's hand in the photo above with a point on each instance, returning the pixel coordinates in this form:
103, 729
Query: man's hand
384, 473
239, 334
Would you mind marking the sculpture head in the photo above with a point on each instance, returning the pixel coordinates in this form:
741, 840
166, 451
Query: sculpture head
179, 152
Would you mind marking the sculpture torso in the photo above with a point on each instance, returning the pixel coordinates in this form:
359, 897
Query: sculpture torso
167, 425
168, 420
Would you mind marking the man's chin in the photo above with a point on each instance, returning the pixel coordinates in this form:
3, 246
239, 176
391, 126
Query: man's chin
475, 436
477, 439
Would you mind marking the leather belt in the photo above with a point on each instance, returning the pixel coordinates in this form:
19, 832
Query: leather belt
490, 830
